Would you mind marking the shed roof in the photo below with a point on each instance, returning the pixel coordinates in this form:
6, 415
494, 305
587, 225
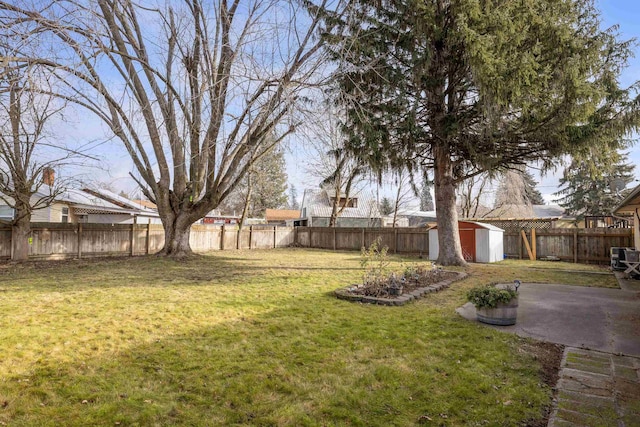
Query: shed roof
475, 224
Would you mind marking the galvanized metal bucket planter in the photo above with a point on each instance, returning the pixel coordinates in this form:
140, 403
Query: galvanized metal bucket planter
503, 315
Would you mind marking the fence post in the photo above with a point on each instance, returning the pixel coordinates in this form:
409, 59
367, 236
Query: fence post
251, 237
132, 234
363, 242
275, 237
222, 237
534, 250
575, 246
79, 240
425, 242
334, 238
11, 237
148, 237
395, 240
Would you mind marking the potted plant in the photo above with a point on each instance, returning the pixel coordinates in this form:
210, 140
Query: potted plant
495, 306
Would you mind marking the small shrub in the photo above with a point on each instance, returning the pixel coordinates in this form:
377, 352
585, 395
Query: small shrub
375, 262
490, 296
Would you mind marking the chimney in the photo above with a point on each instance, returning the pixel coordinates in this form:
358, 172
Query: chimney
48, 176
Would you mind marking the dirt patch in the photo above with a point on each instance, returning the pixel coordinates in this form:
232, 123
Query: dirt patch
550, 357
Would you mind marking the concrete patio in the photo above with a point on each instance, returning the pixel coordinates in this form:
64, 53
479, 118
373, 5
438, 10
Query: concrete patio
599, 381
600, 319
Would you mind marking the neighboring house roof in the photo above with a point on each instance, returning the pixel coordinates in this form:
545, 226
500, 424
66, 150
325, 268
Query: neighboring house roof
316, 203
630, 203
548, 211
417, 213
281, 214
146, 204
524, 213
512, 211
97, 202
120, 201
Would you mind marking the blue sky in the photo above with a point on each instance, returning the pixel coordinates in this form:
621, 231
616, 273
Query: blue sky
625, 13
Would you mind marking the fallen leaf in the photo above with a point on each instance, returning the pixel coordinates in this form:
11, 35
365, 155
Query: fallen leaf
85, 401
507, 403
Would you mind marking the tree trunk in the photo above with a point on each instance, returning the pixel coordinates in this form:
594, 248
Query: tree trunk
247, 202
20, 232
176, 237
450, 250
333, 219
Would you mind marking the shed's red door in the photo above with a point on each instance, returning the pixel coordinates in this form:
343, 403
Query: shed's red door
468, 243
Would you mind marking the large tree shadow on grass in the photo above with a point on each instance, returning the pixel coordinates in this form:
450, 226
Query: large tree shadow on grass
312, 361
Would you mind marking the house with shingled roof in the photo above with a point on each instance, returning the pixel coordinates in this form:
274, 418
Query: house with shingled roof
360, 209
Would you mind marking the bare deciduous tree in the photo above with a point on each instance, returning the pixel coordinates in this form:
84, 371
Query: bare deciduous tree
341, 173
471, 194
178, 84
28, 157
405, 191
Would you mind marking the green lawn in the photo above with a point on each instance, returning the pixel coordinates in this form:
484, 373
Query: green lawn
250, 338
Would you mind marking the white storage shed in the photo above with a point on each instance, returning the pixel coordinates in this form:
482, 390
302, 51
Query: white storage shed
480, 242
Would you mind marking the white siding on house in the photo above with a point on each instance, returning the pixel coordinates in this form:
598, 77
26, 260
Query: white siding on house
110, 219
42, 215
55, 212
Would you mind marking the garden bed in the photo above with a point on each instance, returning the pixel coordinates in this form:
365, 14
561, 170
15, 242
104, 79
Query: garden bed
379, 292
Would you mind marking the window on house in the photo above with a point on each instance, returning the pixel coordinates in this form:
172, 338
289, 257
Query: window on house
349, 203
65, 215
6, 213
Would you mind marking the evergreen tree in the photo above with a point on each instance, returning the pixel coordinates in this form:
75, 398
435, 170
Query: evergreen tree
293, 198
585, 193
386, 206
426, 199
517, 188
265, 185
532, 193
466, 86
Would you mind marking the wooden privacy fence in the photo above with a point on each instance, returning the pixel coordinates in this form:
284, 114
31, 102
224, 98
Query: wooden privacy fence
398, 240
579, 245
53, 241
574, 245
57, 241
